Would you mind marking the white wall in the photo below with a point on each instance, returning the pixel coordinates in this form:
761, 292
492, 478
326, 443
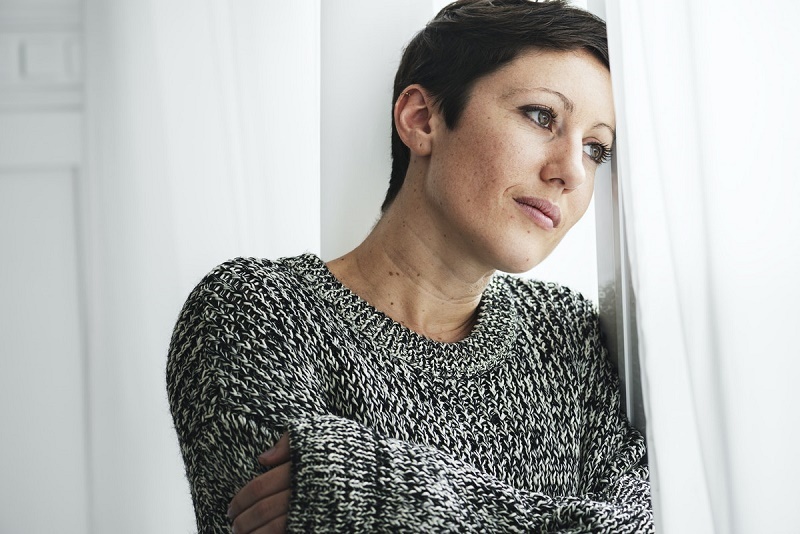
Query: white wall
361, 48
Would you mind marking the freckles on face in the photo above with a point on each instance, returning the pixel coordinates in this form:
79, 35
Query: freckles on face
503, 150
478, 155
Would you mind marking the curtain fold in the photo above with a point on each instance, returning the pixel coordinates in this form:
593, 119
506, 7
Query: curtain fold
707, 126
197, 151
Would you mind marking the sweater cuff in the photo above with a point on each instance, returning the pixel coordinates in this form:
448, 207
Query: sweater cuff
335, 476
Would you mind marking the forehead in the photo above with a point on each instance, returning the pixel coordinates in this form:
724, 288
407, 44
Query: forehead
576, 79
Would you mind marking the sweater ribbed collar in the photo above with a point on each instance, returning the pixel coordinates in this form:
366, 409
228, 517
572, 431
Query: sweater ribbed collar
489, 343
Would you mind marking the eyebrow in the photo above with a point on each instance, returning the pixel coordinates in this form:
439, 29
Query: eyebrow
569, 105
604, 125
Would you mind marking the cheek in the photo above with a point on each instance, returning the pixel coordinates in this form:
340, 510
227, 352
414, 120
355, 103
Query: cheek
579, 203
479, 168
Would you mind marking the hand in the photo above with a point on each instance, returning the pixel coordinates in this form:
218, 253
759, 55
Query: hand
262, 505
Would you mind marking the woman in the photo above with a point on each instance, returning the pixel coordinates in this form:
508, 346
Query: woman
405, 385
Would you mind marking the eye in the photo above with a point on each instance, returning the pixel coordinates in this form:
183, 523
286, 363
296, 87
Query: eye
542, 116
598, 152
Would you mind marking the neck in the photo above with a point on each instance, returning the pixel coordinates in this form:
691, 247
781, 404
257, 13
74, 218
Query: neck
401, 272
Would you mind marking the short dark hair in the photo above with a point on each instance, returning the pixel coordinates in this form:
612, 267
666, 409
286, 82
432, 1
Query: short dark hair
470, 39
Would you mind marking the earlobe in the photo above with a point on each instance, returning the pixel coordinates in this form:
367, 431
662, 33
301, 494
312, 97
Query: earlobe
413, 111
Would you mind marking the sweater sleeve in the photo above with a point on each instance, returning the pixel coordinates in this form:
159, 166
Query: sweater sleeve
346, 478
614, 453
229, 401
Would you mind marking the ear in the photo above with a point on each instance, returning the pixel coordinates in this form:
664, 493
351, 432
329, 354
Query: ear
414, 117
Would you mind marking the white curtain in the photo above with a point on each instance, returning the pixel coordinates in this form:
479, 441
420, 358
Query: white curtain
707, 108
203, 144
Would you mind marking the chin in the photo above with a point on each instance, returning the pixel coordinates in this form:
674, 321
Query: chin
516, 262
520, 265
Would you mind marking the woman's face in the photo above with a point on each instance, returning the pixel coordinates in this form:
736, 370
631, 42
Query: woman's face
517, 171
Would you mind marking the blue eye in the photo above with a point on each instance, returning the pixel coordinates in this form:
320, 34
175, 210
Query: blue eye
599, 153
543, 117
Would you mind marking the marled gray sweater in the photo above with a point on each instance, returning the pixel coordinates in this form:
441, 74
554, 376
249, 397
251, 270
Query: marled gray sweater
516, 428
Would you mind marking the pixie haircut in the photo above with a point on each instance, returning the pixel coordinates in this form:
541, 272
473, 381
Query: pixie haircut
470, 39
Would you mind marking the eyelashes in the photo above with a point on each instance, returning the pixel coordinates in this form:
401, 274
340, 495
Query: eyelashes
545, 117
598, 152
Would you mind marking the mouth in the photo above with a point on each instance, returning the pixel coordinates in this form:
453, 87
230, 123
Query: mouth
543, 212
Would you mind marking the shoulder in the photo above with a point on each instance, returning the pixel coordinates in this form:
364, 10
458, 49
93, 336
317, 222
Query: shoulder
252, 283
552, 315
538, 299
243, 313
564, 322
240, 344
246, 298
256, 275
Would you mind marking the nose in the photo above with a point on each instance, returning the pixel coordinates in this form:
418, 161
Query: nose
564, 165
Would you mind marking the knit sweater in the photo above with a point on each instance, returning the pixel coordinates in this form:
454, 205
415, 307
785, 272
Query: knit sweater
516, 428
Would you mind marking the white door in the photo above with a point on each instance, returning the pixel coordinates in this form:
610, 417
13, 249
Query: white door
43, 453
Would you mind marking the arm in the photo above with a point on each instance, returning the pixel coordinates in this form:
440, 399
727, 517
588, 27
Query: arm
220, 396
348, 479
615, 466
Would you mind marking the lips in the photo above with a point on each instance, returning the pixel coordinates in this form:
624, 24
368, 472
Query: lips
543, 212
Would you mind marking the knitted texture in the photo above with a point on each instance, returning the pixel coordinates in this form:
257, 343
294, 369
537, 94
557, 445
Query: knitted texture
516, 428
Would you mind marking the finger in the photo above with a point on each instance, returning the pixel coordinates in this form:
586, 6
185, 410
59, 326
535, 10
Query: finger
278, 454
262, 513
273, 481
276, 526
